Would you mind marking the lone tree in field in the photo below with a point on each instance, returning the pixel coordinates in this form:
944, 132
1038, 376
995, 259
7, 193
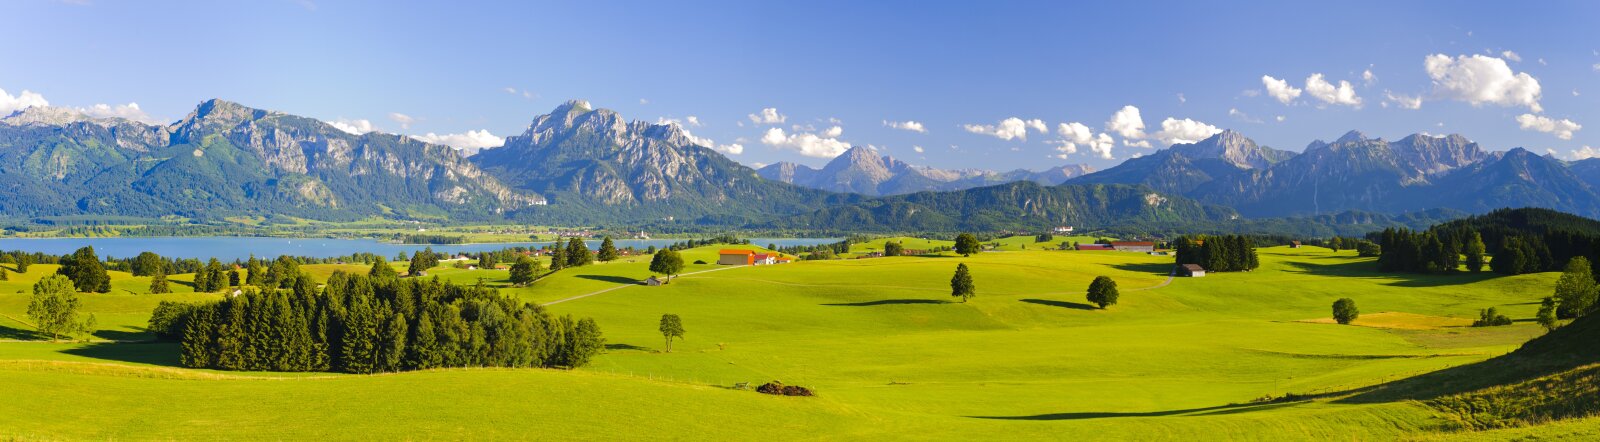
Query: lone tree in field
54, 307
1103, 292
487, 261
1474, 250
666, 262
525, 271
1575, 289
966, 244
961, 284
608, 250
158, 284
22, 263
671, 327
85, 271
5, 275
1344, 310
1547, 314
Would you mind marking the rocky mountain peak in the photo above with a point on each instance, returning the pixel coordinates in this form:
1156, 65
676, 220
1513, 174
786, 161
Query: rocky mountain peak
1354, 136
44, 116
1232, 147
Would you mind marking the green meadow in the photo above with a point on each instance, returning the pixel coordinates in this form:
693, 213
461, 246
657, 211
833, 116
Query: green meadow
889, 353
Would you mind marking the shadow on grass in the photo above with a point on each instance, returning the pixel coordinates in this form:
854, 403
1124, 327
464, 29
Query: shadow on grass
891, 302
611, 279
1062, 304
8, 332
628, 347
123, 335
153, 353
1398, 279
1235, 408
1159, 268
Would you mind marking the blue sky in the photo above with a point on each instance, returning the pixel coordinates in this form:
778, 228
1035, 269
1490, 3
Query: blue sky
959, 69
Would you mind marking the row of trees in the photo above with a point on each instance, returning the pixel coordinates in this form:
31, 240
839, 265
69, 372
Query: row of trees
1225, 253
1403, 250
365, 324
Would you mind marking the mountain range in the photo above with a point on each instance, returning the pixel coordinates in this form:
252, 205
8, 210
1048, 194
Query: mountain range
580, 165
861, 170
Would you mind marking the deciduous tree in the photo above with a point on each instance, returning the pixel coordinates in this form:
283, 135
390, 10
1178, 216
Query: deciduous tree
53, 308
967, 244
1103, 292
1345, 311
671, 327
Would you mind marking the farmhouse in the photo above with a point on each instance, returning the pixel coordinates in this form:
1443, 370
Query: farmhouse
762, 259
1095, 247
1133, 246
1191, 270
1063, 229
653, 281
736, 257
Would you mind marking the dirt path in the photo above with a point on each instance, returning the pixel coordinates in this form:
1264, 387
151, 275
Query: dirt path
574, 298
1170, 276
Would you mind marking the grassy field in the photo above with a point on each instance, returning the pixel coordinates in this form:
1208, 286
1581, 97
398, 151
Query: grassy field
889, 352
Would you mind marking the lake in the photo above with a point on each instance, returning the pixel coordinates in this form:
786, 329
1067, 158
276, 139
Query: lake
228, 248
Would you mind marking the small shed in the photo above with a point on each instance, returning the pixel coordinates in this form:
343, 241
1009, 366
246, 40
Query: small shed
653, 281
1192, 270
1294, 244
1095, 247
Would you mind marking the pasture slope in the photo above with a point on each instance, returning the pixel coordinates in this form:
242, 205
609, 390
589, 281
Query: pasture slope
890, 353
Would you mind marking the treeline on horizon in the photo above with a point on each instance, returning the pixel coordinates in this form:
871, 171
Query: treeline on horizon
1518, 241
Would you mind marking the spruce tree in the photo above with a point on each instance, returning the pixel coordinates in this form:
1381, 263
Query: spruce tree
1474, 249
961, 285
255, 274
608, 250
558, 256
382, 269
578, 253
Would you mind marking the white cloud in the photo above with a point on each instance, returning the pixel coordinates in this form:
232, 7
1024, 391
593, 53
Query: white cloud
1175, 131
471, 141
1241, 116
1479, 79
768, 116
1008, 129
833, 132
644, 101
130, 111
1367, 77
1542, 63
402, 119
807, 144
1402, 100
1342, 94
1562, 128
354, 127
910, 125
1182, 99
1251, 93
24, 100
1280, 118
1511, 56
524, 93
1584, 153
1280, 89
1077, 134
730, 149
917, 148
1127, 122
